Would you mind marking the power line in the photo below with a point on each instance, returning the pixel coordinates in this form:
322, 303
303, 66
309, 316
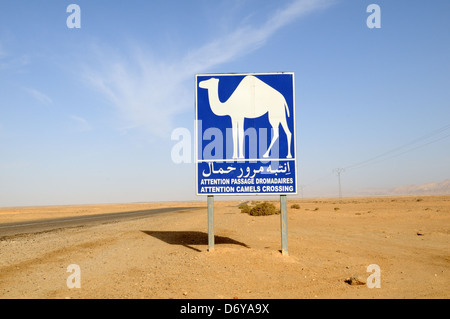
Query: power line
386, 155
407, 151
396, 149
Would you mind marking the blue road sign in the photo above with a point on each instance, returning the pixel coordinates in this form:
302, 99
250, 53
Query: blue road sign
245, 134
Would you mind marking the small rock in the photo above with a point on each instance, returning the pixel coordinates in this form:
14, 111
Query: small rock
420, 233
355, 280
185, 293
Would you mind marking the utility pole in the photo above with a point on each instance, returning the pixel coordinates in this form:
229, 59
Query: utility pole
338, 172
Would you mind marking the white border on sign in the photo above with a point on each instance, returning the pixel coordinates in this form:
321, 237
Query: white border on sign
196, 160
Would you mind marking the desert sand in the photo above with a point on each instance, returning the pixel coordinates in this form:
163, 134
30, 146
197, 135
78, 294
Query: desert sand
166, 256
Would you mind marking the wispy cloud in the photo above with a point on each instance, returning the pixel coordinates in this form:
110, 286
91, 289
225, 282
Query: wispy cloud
38, 95
148, 92
10, 61
248, 38
82, 124
145, 92
3, 53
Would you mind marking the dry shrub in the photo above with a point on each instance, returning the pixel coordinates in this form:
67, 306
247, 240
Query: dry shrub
244, 208
260, 209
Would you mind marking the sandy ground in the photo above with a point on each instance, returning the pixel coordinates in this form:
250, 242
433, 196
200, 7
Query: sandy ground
166, 256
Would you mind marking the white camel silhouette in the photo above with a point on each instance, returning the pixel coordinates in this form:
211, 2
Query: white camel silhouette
251, 99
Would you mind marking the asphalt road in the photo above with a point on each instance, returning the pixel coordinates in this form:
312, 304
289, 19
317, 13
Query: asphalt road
37, 226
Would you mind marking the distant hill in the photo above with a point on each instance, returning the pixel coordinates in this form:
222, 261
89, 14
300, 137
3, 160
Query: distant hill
432, 188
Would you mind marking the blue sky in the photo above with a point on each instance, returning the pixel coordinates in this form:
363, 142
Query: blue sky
86, 114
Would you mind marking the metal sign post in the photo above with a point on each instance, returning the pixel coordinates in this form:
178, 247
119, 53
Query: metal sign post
284, 239
210, 223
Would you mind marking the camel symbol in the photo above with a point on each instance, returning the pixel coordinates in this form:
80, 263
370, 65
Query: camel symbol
251, 99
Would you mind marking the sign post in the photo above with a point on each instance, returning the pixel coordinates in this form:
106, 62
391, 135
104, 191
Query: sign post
283, 213
245, 138
210, 223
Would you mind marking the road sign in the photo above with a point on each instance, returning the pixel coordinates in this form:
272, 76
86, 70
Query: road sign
245, 134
